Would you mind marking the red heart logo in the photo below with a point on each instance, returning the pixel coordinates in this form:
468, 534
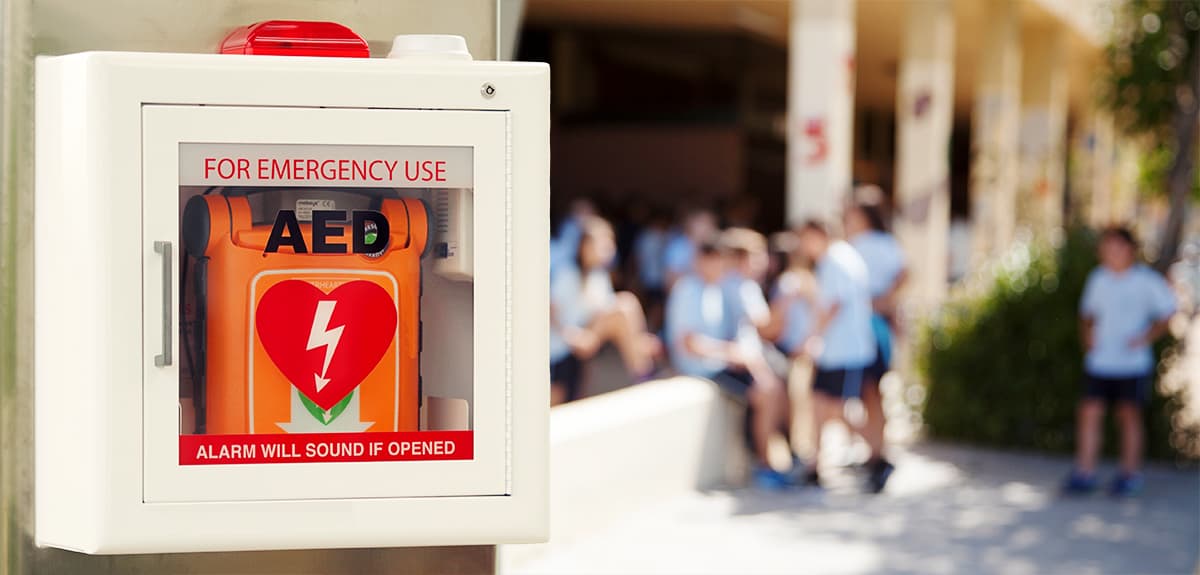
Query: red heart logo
326, 343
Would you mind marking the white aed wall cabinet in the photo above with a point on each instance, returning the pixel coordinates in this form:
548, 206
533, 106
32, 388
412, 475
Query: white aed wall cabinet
290, 302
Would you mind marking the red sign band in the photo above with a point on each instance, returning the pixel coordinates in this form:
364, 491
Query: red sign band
326, 447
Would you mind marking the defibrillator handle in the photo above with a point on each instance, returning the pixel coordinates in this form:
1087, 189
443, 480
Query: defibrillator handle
164, 359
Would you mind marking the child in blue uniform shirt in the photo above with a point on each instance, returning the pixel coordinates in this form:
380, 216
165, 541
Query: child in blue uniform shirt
747, 312
586, 314
841, 341
679, 252
793, 299
866, 230
1124, 309
702, 344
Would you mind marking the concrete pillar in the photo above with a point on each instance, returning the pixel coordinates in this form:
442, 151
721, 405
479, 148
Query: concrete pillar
61, 26
995, 130
1079, 168
924, 119
1090, 164
1044, 102
1123, 201
566, 93
512, 12
1101, 180
820, 128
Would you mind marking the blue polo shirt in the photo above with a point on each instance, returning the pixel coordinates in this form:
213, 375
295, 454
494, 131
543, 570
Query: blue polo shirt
842, 279
798, 317
695, 307
883, 257
575, 299
679, 253
565, 245
649, 249
745, 306
1122, 306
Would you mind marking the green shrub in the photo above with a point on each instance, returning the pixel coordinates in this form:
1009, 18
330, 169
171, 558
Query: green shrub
1002, 361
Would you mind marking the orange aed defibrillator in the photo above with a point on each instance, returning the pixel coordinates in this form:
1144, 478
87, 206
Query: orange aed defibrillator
306, 309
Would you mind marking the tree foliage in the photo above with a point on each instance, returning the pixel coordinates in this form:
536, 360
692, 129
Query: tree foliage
1154, 91
1153, 42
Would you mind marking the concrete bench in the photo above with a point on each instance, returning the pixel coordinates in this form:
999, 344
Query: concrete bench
617, 452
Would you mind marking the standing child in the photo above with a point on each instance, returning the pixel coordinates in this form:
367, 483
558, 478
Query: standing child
793, 305
886, 272
1124, 309
793, 299
841, 341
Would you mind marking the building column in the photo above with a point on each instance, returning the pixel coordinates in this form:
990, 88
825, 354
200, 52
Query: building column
1044, 102
567, 87
511, 13
995, 131
1090, 162
1101, 181
1123, 198
924, 119
820, 125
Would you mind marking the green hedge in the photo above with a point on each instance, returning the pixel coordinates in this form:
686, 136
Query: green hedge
1002, 361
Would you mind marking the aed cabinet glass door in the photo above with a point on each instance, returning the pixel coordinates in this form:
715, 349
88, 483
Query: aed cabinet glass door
310, 329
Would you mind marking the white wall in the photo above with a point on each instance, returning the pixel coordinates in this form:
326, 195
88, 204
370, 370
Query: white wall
63, 26
29, 27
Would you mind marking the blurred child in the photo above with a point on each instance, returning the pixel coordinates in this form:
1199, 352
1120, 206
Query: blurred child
1124, 309
793, 305
841, 341
780, 258
680, 250
748, 316
648, 252
565, 244
702, 345
585, 314
886, 272
746, 306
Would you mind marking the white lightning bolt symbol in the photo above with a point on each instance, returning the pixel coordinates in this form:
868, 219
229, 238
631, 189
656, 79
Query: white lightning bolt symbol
321, 335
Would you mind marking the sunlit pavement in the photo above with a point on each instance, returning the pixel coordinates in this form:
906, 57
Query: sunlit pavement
947, 510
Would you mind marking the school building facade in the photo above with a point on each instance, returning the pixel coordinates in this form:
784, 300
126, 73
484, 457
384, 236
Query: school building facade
978, 112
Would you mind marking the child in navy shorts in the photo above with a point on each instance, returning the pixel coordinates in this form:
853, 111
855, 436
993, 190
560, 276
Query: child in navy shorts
1124, 309
841, 340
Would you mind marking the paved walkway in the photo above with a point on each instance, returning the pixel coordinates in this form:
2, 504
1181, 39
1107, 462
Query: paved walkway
948, 510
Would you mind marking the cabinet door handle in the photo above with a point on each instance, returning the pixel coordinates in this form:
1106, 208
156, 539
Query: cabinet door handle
164, 359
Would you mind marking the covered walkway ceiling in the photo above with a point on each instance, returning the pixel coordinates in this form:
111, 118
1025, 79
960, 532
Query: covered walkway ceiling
880, 24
